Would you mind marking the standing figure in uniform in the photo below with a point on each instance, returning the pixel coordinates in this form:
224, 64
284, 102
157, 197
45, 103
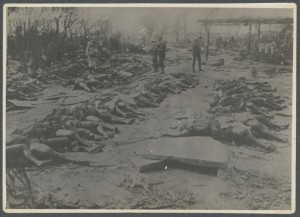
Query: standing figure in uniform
161, 50
197, 53
91, 52
153, 52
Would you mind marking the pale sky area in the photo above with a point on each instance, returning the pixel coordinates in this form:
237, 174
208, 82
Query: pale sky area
131, 20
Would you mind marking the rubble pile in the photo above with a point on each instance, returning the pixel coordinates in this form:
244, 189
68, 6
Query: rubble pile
148, 195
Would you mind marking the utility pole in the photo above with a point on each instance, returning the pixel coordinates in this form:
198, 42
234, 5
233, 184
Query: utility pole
185, 30
237, 31
258, 35
249, 40
177, 30
207, 31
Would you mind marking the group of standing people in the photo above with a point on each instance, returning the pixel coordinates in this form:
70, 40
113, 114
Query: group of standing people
158, 51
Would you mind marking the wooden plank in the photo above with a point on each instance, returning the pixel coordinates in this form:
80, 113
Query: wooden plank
54, 97
199, 151
23, 104
145, 165
249, 39
73, 100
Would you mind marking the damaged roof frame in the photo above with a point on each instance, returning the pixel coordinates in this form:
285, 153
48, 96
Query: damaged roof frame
246, 21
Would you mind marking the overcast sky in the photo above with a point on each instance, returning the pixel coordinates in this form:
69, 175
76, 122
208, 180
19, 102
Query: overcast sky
132, 20
193, 12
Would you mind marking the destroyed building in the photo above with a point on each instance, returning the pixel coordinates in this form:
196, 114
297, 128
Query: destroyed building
262, 39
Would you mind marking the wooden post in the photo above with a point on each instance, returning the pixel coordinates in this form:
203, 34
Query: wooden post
249, 40
200, 29
177, 31
185, 30
207, 41
205, 35
237, 31
258, 36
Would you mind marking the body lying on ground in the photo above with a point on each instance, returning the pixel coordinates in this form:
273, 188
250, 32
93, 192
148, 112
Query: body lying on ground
172, 84
241, 128
241, 95
122, 107
35, 153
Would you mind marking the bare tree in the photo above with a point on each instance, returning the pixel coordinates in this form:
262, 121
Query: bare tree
11, 10
70, 18
83, 25
57, 16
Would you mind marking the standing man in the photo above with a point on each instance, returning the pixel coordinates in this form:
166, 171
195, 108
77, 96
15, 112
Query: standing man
154, 53
161, 49
197, 53
91, 52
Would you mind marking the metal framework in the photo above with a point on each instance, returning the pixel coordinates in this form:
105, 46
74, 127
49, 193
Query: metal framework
246, 21
238, 21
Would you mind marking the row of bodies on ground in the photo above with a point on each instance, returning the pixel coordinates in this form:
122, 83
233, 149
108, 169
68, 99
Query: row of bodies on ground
72, 74
239, 115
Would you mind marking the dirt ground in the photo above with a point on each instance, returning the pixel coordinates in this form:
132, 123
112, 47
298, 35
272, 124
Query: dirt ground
253, 180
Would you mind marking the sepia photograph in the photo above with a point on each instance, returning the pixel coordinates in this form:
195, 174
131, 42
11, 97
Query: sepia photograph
149, 108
